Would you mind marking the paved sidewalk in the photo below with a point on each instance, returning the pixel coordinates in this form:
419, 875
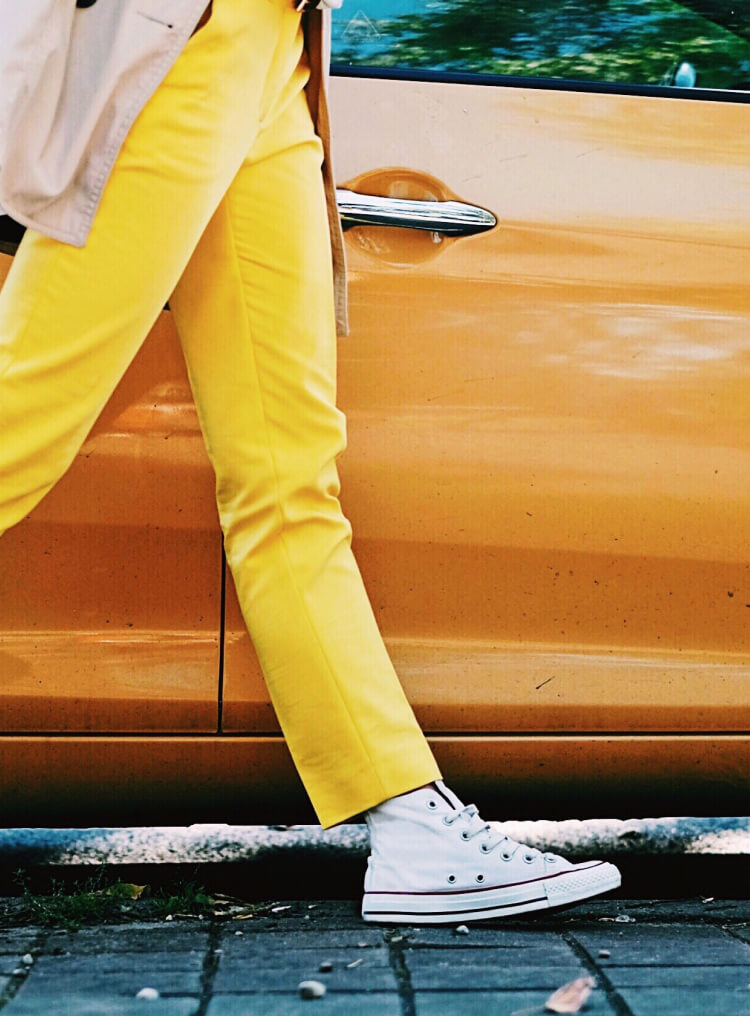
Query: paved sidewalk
680, 958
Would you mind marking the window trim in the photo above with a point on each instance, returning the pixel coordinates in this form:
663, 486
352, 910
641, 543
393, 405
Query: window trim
342, 70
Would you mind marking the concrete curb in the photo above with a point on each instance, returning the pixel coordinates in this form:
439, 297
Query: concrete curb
215, 844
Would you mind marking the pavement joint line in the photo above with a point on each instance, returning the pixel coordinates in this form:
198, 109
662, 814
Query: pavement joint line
613, 996
396, 941
17, 981
210, 967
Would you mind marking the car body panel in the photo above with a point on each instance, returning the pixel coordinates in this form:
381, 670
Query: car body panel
110, 590
165, 780
549, 423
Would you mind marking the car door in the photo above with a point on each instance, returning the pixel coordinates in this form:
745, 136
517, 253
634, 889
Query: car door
547, 384
110, 591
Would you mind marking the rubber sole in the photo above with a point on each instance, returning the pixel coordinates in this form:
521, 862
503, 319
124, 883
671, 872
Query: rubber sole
456, 905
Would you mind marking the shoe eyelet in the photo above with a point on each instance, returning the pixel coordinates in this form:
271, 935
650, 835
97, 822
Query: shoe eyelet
507, 857
529, 858
479, 878
432, 804
465, 835
451, 879
551, 859
485, 848
447, 820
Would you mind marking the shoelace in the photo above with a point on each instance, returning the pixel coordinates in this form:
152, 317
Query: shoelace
495, 835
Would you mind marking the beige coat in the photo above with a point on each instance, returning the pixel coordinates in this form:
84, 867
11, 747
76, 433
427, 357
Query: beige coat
74, 80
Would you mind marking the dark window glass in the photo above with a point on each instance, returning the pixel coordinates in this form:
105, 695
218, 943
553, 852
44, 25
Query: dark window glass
697, 43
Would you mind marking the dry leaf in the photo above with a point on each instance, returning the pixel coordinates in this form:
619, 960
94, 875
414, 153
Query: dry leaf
354, 963
126, 889
243, 917
571, 997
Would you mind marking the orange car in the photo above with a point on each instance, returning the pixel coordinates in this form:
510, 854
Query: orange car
547, 384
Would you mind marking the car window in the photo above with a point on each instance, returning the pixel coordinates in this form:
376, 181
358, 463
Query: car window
693, 44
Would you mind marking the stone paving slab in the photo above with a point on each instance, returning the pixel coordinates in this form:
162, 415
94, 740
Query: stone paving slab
478, 951
460, 975
687, 945
16, 942
85, 1004
266, 952
239, 979
137, 937
113, 963
317, 938
687, 1002
293, 1005
482, 936
499, 1003
260, 966
121, 982
722, 978
365, 940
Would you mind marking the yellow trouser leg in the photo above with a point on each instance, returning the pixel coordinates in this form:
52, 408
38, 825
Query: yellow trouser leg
227, 138
259, 339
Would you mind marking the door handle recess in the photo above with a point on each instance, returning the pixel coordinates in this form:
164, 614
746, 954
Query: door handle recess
453, 218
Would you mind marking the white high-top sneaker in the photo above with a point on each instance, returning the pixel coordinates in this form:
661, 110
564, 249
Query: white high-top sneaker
433, 860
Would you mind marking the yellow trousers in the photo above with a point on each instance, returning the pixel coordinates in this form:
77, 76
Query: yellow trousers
216, 203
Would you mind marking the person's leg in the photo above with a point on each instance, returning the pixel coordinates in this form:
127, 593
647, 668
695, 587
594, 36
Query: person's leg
254, 310
71, 319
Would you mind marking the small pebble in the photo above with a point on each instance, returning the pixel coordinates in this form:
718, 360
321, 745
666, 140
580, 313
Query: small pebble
18, 971
325, 967
362, 945
312, 989
625, 919
604, 954
169, 917
239, 932
462, 930
28, 959
354, 963
151, 994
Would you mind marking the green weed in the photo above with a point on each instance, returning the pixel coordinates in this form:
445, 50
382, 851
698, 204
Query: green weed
100, 899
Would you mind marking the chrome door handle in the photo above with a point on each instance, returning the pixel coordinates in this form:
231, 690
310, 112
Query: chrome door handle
453, 218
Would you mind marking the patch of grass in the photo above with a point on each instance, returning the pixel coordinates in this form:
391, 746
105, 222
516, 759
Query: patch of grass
189, 898
100, 899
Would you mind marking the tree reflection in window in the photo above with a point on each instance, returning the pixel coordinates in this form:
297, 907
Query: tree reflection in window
628, 41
